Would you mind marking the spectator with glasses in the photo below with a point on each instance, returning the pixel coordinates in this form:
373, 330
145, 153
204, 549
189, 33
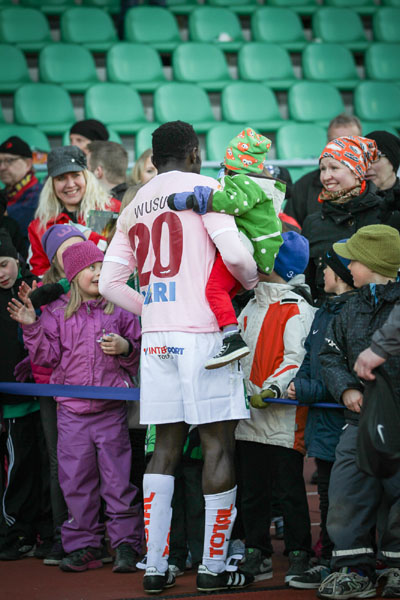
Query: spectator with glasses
22, 187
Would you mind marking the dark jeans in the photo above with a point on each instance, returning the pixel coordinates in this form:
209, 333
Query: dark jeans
48, 414
257, 462
187, 525
324, 468
26, 507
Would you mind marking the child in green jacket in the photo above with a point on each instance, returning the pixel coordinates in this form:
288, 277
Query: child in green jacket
254, 200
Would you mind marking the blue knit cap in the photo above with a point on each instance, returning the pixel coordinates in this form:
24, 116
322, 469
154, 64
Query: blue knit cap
293, 255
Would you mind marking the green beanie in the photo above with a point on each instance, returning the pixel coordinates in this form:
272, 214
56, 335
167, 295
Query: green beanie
375, 246
247, 151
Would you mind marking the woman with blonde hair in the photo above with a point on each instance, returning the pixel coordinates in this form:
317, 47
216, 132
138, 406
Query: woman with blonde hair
143, 170
70, 192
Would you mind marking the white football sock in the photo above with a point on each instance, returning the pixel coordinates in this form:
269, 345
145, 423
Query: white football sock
220, 517
157, 494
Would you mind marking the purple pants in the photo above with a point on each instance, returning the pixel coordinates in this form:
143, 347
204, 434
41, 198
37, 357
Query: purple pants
94, 459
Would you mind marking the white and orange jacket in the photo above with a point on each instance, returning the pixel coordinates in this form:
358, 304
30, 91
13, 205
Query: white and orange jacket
275, 325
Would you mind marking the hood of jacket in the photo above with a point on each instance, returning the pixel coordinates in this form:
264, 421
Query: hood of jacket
267, 293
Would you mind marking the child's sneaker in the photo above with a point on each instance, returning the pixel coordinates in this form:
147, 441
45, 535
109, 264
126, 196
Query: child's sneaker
299, 562
82, 560
125, 559
43, 548
257, 565
20, 548
310, 579
207, 581
233, 348
392, 586
175, 570
343, 584
55, 555
155, 582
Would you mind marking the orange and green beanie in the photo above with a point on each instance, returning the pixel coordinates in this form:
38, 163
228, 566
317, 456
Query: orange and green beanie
246, 152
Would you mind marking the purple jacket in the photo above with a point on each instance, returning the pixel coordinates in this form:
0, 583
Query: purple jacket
69, 347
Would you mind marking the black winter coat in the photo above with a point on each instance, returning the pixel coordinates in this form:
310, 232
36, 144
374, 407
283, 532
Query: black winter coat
324, 425
350, 333
303, 200
12, 349
391, 205
333, 223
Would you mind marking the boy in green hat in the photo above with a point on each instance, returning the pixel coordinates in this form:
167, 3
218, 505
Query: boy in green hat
354, 496
254, 200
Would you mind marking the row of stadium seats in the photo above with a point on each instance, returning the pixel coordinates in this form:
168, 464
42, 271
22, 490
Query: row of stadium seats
120, 107
73, 67
293, 140
180, 7
29, 29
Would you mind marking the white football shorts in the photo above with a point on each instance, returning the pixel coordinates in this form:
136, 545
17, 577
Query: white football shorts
175, 386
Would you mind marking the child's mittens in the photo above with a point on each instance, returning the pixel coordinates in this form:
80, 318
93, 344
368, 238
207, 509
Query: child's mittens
46, 293
197, 200
256, 400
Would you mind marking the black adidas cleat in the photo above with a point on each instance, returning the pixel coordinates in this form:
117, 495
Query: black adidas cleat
207, 581
155, 582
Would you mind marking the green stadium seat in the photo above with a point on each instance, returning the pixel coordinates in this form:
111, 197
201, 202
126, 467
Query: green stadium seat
278, 26
332, 63
370, 126
251, 103
26, 28
241, 7
218, 138
92, 27
34, 137
143, 140
220, 26
382, 62
111, 6
340, 26
69, 65
181, 7
311, 101
13, 69
209, 172
392, 3
186, 102
300, 140
152, 25
386, 24
270, 63
378, 101
302, 7
113, 137
362, 7
137, 65
201, 63
49, 7
116, 105
44, 105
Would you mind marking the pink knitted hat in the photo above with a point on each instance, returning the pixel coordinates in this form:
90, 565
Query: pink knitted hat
79, 256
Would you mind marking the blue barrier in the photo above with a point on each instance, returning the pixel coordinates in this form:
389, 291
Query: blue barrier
109, 393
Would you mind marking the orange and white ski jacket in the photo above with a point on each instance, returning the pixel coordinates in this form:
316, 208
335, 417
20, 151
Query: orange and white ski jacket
275, 325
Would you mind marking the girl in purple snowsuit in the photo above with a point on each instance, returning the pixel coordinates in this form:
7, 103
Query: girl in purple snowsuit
88, 341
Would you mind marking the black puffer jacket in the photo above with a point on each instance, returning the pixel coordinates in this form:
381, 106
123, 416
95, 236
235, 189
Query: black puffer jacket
350, 332
335, 222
